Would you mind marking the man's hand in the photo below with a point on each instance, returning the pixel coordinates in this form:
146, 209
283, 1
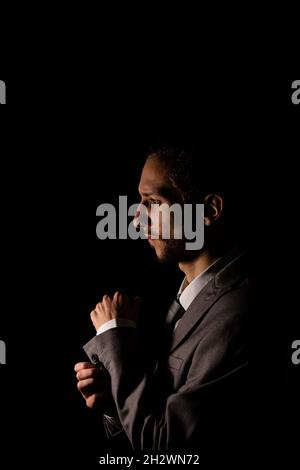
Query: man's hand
116, 307
94, 385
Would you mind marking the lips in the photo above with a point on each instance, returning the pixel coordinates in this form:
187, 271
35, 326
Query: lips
151, 236
153, 240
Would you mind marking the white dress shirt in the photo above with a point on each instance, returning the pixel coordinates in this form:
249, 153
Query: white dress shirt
115, 323
187, 294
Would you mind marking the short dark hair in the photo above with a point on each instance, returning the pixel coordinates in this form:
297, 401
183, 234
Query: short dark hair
192, 172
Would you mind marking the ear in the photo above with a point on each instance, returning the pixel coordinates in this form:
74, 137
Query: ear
213, 208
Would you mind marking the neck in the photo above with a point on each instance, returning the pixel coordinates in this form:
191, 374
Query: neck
198, 265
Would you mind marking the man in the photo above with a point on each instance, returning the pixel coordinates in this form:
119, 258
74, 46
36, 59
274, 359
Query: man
193, 395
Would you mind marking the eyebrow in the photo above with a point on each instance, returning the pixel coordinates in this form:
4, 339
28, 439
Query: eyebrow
150, 193
161, 192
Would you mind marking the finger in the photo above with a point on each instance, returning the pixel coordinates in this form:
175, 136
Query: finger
84, 385
92, 372
89, 386
118, 298
121, 300
106, 300
83, 365
99, 307
96, 400
116, 295
93, 314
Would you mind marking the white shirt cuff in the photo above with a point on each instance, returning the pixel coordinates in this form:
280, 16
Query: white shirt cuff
116, 322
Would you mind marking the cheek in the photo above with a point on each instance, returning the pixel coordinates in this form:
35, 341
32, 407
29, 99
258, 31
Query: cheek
160, 221
176, 227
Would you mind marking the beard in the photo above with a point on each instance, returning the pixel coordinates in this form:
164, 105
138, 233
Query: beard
172, 252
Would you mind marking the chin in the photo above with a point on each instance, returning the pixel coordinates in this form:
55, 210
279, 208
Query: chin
159, 247
168, 252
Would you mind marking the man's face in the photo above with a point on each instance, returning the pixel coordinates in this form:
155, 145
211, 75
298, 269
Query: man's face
155, 188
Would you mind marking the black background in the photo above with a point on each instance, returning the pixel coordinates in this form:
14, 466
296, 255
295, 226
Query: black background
73, 140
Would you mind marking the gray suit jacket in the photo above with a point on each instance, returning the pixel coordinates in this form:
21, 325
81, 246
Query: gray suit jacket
196, 393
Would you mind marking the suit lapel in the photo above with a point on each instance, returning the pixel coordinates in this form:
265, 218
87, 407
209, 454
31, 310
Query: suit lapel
222, 283
200, 305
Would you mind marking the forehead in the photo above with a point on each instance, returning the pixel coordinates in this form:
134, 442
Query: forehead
154, 177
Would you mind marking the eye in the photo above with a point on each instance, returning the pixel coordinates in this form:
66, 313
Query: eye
154, 201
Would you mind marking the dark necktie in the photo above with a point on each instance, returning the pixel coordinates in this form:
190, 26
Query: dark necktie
175, 312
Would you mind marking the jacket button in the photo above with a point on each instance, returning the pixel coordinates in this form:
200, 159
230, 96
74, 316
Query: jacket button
95, 359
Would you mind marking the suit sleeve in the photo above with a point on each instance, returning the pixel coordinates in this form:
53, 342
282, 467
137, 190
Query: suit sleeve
156, 420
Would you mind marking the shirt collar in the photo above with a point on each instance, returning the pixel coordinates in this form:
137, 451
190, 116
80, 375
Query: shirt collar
186, 295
